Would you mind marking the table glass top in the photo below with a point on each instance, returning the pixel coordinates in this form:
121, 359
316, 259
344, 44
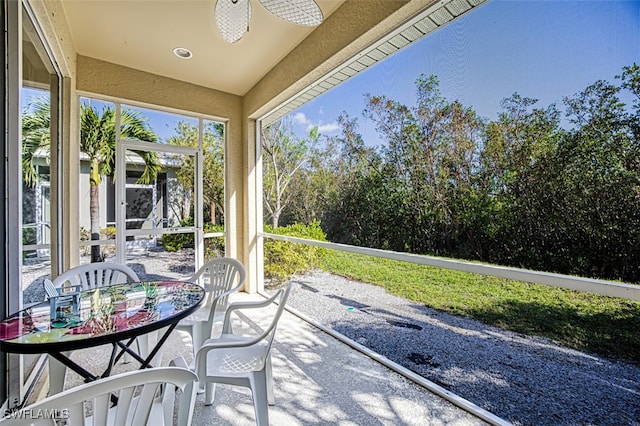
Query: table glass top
101, 312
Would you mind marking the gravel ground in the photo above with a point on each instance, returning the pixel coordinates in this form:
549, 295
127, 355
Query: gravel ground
524, 380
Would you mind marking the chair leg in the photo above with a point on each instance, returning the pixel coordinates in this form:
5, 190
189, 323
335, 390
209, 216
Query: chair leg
196, 337
259, 391
143, 345
187, 404
157, 359
196, 341
209, 393
269, 378
57, 375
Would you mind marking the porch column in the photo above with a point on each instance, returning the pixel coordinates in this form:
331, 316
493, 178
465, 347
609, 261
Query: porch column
235, 192
253, 210
69, 241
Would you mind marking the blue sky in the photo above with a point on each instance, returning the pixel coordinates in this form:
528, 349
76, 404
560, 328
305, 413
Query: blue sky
162, 123
541, 49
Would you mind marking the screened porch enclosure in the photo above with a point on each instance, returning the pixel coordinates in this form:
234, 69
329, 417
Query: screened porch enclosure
205, 195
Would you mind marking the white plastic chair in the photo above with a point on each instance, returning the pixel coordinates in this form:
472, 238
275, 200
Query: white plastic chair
220, 277
243, 360
144, 397
91, 276
96, 275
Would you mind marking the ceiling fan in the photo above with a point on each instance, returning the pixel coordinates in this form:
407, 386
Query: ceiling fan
233, 16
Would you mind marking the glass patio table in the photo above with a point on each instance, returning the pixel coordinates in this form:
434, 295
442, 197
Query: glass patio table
114, 314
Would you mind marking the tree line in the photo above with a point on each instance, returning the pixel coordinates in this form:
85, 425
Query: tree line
541, 188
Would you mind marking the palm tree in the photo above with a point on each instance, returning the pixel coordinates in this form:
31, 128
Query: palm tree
36, 136
97, 141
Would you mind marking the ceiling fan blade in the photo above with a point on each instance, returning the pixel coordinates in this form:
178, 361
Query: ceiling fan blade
232, 18
301, 12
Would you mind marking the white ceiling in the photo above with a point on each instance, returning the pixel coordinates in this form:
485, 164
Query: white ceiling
142, 34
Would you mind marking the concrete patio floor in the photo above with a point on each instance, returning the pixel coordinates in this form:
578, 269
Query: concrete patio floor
318, 380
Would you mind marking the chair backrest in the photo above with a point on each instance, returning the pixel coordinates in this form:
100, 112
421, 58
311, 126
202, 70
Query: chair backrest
218, 276
276, 302
136, 394
95, 275
280, 298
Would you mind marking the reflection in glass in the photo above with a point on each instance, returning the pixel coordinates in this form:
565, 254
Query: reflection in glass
36, 151
38, 141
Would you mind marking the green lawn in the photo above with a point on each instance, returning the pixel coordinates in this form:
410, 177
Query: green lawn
592, 323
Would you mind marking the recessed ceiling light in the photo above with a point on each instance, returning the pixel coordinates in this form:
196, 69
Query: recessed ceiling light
182, 52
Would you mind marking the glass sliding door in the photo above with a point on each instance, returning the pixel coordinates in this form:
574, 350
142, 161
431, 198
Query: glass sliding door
33, 82
4, 138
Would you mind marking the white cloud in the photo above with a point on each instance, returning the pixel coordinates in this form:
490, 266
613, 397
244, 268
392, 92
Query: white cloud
301, 119
329, 127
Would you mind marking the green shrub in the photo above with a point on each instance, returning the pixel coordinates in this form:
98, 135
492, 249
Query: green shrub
108, 233
213, 247
175, 242
85, 235
283, 259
